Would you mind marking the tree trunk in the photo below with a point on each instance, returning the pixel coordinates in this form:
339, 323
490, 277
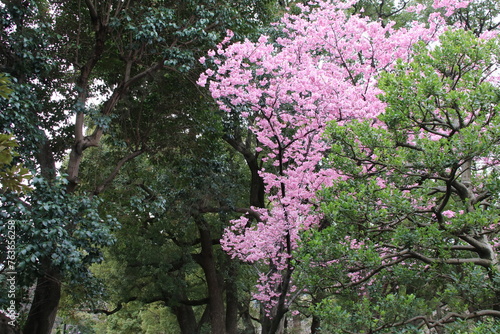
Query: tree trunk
274, 325
5, 327
264, 321
215, 290
45, 303
186, 319
232, 300
257, 186
315, 325
246, 318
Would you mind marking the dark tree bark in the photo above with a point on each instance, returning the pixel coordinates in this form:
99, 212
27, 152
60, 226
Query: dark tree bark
232, 301
45, 304
5, 327
257, 187
316, 322
214, 285
186, 319
246, 318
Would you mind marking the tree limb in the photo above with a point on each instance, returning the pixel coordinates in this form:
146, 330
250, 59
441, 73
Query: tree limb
478, 261
245, 211
449, 317
116, 170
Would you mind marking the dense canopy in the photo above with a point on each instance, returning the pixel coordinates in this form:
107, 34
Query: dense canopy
249, 167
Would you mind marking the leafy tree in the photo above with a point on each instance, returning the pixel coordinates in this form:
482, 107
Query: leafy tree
172, 218
60, 55
478, 17
413, 229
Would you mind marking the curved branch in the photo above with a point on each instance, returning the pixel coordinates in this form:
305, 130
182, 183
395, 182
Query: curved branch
116, 309
245, 211
113, 100
92, 11
449, 317
478, 261
116, 170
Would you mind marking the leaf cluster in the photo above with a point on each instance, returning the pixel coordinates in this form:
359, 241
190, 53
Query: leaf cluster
59, 230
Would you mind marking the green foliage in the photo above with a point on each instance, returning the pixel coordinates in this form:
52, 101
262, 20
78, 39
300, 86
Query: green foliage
5, 90
412, 230
386, 11
479, 17
68, 229
31, 64
13, 177
156, 195
49, 51
154, 318
134, 317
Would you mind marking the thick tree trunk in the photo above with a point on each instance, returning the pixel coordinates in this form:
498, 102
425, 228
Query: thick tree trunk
256, 184
45, 304
186, 319
246, 319
5, 325
232, 301
315, 325
215, 289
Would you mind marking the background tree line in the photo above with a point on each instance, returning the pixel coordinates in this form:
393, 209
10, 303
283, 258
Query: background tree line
135, 174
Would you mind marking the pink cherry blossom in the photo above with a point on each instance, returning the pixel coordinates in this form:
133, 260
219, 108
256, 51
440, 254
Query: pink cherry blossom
448, 214
323, 67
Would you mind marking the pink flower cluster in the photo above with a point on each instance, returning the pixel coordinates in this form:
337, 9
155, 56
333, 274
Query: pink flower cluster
451, 6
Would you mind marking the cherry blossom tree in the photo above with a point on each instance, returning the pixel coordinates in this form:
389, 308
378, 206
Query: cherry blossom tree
318, 66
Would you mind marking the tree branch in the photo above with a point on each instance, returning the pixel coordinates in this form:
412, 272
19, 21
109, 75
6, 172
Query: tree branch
478, 261
246, 211
449, 317
116, 170
116, 309
92, 11
116, 96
